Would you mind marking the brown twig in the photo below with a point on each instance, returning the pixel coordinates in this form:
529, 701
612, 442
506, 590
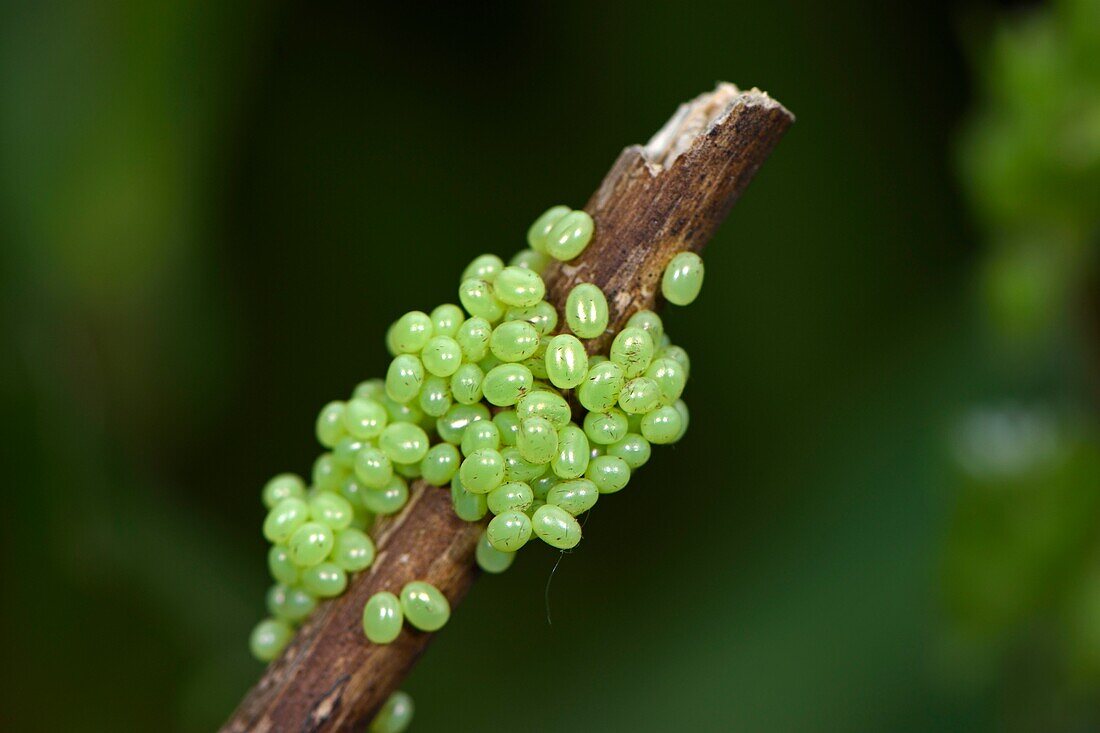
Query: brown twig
657, 200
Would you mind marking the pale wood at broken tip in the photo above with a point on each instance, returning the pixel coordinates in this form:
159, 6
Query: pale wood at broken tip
666, 197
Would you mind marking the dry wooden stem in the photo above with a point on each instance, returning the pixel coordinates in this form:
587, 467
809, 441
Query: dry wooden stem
657, 200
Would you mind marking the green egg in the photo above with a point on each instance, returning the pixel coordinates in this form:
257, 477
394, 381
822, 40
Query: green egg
442, 356
389, 499
537, 440
411, 332
468, 507
573, 453
373, 467
576, 496
330, 509
364, 418
508, 426
570, 235
546, 404
481, 435
352, 489
382, 618
403, 443
284, 518
482, 471
404, 378
518, 286
532, 260
328, 474
542, 316
511, 496
288, 604
310, 544
604, 428
670, 377
518, 468
401, 412
633, 448
541, 228
330, 424
540, 487
408, 470
269, 638
473, 339
281, 567
505, 384
608, 473
283, 486
483, 267
663, 425
649, 322
370, 389
353, 550
586, 311
556, 527
566, 361
509, 531
453, 424
632, 350
435, 396
446, 320
424, 606
479, 300
395, 715
514, 341
490, 559
489, 362
639, 396
683, 279
326, 580
440, 464
601, 387
537, 362
466, 384
677, 354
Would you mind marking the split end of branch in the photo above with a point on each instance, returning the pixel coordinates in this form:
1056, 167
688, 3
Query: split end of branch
698, 117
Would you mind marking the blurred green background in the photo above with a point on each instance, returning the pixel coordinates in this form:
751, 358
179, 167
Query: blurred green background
209, 213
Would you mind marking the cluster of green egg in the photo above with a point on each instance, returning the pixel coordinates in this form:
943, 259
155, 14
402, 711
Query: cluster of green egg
500, 400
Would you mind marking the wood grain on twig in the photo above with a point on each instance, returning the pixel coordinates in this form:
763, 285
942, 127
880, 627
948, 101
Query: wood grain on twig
659, 199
